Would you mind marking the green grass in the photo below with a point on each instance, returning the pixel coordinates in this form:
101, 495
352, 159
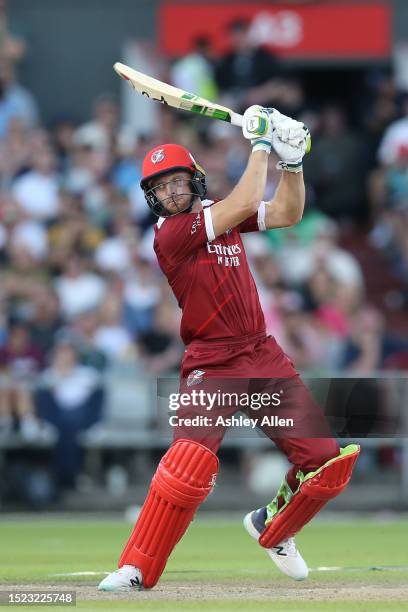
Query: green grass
227, 606
212, 552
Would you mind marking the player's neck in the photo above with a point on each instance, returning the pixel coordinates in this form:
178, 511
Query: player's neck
197, 205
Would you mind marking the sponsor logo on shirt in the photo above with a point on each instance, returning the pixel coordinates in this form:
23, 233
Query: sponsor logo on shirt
196, 224
195, 378
224, 249
227, 254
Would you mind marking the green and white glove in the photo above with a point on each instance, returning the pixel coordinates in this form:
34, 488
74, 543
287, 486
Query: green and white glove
256, 127
290, 139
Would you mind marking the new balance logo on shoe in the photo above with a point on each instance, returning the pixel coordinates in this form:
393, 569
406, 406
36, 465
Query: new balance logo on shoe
279, 550
135, 582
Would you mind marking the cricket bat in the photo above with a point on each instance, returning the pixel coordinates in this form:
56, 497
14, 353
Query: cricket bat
175, 97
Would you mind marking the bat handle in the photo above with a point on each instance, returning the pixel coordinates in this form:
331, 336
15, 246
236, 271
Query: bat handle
236, 119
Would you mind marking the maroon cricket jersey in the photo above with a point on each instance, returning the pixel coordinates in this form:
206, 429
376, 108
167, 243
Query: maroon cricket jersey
209, 276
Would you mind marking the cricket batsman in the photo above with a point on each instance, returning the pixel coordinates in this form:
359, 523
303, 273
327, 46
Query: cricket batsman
199, 248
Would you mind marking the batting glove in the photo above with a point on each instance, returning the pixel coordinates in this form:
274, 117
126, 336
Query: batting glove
290, 139
256, 127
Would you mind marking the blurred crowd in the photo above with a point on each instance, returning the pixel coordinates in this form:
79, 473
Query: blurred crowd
80, 288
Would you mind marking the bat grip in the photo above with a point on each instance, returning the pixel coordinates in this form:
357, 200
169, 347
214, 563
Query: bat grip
236, 119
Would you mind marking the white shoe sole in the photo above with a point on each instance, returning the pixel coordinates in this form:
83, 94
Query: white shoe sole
116, 589
119, 589
248, 525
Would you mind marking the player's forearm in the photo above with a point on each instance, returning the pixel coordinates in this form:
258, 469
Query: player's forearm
244, 199
288, 202
250, 189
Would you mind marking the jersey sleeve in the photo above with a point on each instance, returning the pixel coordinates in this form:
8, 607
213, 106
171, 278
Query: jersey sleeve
254, 223
176, 238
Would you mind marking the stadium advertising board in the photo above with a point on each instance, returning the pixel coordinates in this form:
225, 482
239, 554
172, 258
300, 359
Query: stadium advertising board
315, 31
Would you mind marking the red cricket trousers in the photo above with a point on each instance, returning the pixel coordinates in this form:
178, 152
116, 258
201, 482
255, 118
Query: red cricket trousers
228, 377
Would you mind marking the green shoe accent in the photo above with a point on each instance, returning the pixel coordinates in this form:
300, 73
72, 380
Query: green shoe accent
286, 492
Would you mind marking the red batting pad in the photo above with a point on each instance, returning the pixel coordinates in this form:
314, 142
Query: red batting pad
311, 496
182, 481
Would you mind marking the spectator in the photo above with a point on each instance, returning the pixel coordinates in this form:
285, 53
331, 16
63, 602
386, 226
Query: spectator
15, 100
72, 232
46, 319
309, 344
322, 292
103, 130
20, 361
370, 346
312, 244
31, 235
390, 231
127, 171
335, 168
37, 191
247, 71
114, 254
15, 151
160, 347
87, 175
71, 398
141, 295
111, 336
382, 105
21, 279
81, 334
63, 140
195, 71
395, 137
78, 289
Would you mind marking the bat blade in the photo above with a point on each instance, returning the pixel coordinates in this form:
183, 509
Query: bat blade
175, 97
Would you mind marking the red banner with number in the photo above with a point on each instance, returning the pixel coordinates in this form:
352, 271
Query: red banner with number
318, 30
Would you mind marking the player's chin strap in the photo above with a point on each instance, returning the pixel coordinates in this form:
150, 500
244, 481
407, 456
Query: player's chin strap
193, 197
314, 491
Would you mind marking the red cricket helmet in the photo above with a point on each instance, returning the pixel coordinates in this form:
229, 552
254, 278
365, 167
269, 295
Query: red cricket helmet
169, 158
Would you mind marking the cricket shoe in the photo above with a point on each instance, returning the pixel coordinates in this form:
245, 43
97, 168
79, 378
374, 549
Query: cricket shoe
285, 554
126, 578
